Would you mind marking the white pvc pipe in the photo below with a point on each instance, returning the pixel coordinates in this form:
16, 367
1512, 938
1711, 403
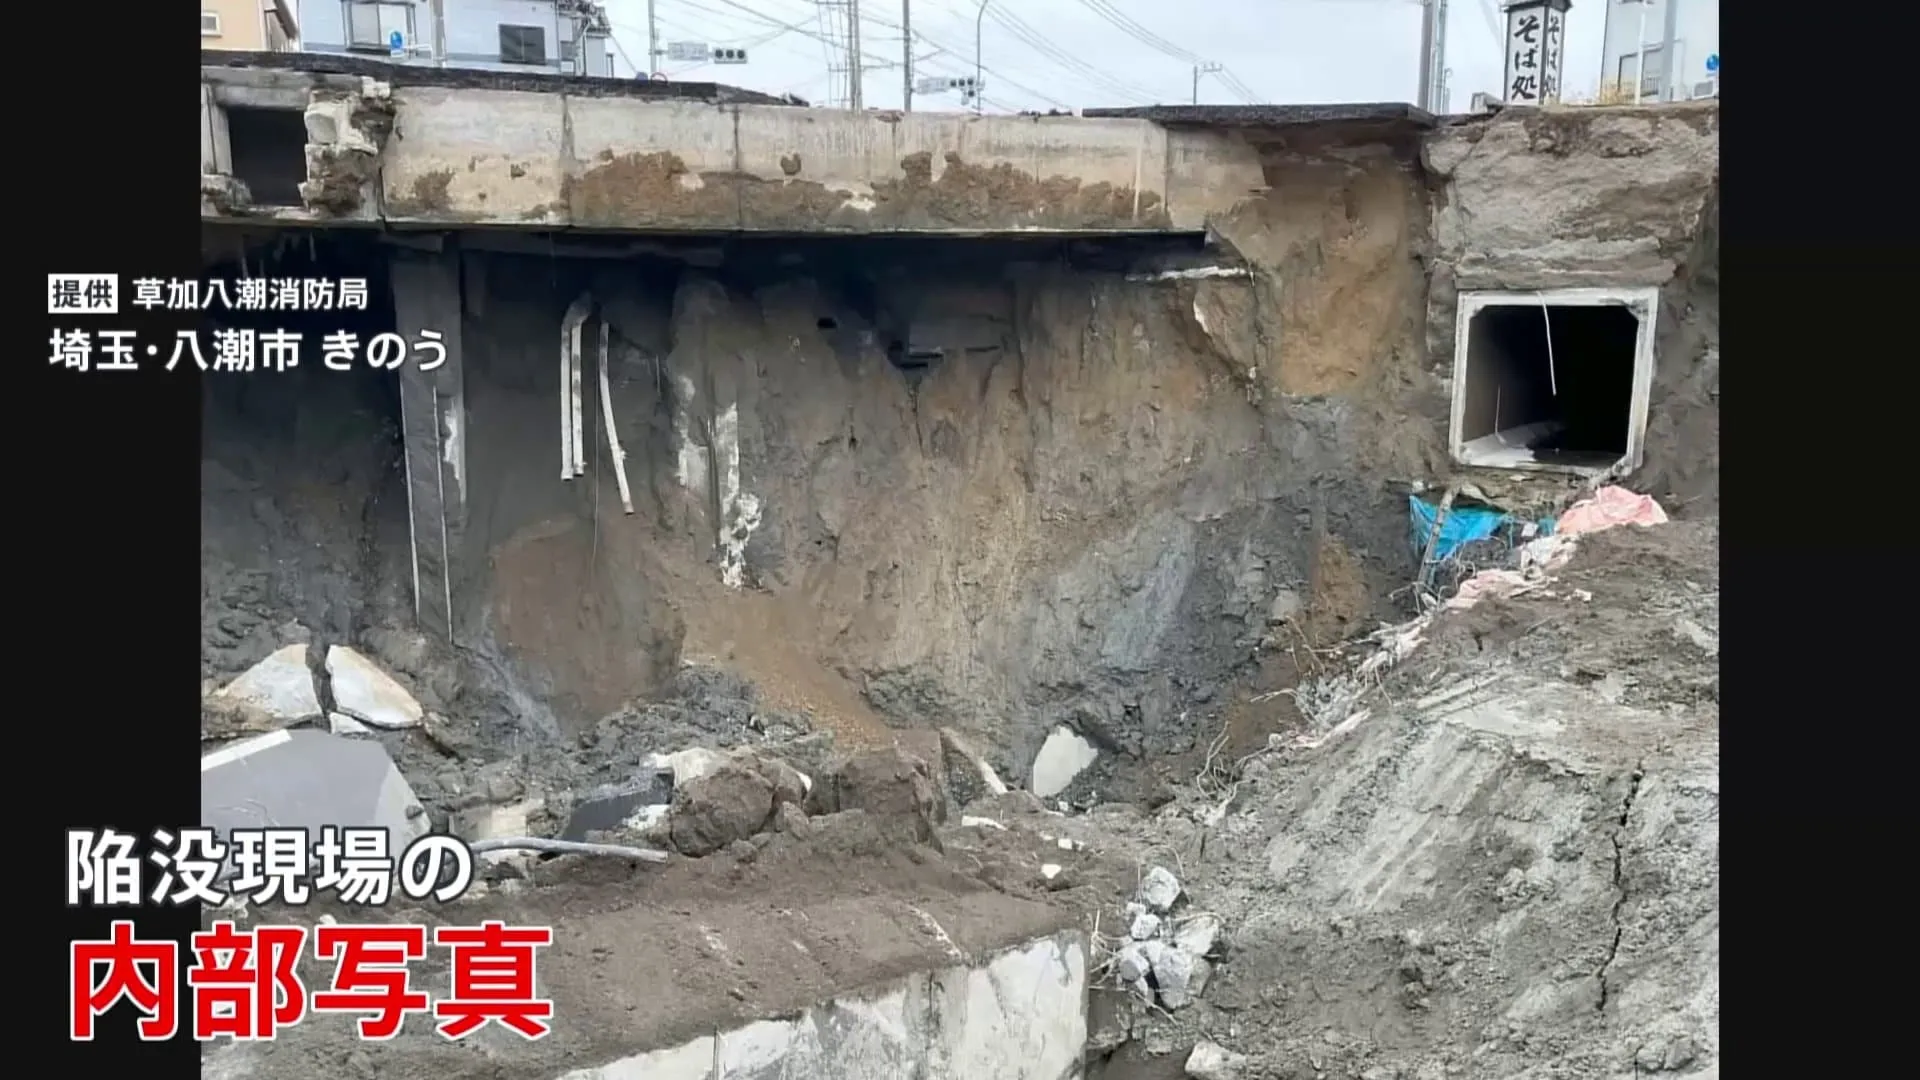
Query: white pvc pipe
566, 390
572, 415
613, 436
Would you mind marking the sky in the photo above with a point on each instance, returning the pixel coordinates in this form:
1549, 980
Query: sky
1042, 54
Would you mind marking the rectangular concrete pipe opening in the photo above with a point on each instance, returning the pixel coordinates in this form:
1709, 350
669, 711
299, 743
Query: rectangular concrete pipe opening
1554, 380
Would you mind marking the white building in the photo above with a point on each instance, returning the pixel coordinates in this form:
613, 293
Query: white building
568, 37
1696, 44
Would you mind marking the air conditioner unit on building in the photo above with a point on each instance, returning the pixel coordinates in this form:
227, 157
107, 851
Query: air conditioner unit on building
1706, 89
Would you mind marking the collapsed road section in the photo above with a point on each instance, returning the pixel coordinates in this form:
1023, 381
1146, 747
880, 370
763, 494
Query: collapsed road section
1256, 617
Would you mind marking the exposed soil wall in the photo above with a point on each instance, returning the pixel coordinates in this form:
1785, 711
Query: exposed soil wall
1083, 513
303, 517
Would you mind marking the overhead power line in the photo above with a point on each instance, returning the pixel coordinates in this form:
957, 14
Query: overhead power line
1107, 10
1092, 76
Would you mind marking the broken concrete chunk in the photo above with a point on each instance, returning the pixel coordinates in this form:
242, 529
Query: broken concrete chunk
1211, 1061
1159, 889
279, 687
341, 724
1064, 756
1131, 963
1145, 925
1198, 933
1197, 982
1173, 971
364, 692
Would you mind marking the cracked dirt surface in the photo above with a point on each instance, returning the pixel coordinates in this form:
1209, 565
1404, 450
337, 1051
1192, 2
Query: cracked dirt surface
1509, 868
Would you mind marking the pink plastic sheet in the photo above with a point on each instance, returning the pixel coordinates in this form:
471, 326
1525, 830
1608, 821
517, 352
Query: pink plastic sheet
1608, 507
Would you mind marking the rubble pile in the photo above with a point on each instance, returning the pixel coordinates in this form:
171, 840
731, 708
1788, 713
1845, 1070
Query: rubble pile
1169, 949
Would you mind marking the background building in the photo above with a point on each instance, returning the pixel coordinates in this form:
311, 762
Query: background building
248, 25
1696, 38
563, 36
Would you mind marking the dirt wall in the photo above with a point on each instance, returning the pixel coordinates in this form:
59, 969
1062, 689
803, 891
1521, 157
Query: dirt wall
303, 518
1083, 513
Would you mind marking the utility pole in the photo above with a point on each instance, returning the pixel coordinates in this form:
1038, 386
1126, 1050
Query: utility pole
439, 33
653, 40
853, 56
906, 55
1423, 97
1433, 52
1667, 66
979, 20
1199, 70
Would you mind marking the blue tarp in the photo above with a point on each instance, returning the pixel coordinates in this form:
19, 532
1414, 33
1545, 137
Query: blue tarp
1464, 525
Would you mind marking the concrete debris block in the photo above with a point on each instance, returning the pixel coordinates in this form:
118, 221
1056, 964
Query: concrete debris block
1132, 963
615, 806
1211, 1061
307, 779
968, 821
1197, 982
341, 724
734, 802
1146, 926
1173, 975
280, 688
367, 694
1063, 757
1159, 890
1049, 871
1197, 934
